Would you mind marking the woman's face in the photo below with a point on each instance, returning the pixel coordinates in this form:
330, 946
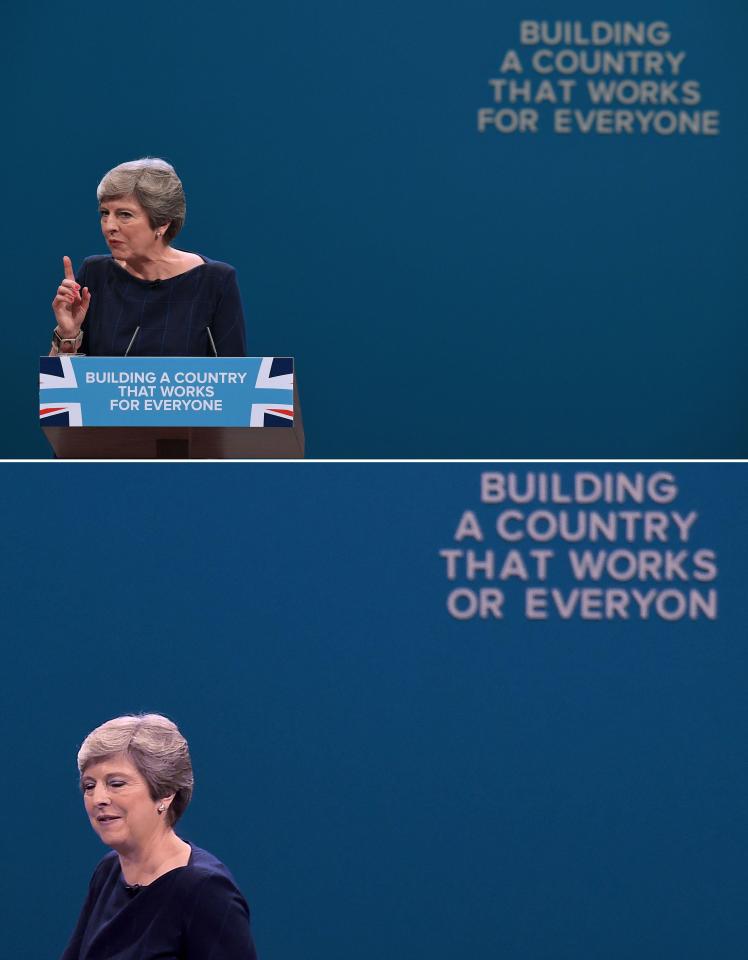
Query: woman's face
127, 229
119, 804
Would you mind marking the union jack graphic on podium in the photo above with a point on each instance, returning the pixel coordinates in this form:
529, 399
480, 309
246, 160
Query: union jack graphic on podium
57, 373
61, 415
275, 373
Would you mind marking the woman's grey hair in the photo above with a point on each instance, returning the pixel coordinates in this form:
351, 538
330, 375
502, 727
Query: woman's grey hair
155, 185
155, 746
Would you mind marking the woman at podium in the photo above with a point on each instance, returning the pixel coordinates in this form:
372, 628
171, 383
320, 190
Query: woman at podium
154, 895
147, 299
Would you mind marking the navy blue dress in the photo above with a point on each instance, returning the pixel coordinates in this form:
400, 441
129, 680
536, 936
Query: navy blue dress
171, 317
190, 913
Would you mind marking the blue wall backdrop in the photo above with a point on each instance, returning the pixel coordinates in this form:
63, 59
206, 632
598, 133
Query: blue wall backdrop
383, 779
446, 292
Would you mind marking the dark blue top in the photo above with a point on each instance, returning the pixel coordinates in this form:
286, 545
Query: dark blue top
173, 315
190, 913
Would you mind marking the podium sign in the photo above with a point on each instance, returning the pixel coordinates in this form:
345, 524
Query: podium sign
184, 406
166, 391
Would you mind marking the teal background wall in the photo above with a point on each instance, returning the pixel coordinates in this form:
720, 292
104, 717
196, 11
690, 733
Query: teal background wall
383, 779
445, 292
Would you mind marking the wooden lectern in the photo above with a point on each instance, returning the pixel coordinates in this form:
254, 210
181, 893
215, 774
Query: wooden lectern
277, 433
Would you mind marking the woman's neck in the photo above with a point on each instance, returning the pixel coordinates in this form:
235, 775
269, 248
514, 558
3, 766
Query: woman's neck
145, 864
159, 266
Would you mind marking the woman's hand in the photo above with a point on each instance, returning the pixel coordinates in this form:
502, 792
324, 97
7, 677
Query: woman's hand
71, 303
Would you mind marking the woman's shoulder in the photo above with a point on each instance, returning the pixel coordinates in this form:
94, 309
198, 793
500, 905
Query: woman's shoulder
208, 885
218, 268
96, 265
108, 865
109, 860
208, 874
215, 908
98, 259
203, 864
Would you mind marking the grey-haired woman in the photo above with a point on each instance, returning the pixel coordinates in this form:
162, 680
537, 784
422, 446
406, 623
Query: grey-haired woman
147, 298
155, 896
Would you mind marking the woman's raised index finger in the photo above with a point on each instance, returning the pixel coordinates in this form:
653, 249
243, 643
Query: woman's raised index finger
68, 265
